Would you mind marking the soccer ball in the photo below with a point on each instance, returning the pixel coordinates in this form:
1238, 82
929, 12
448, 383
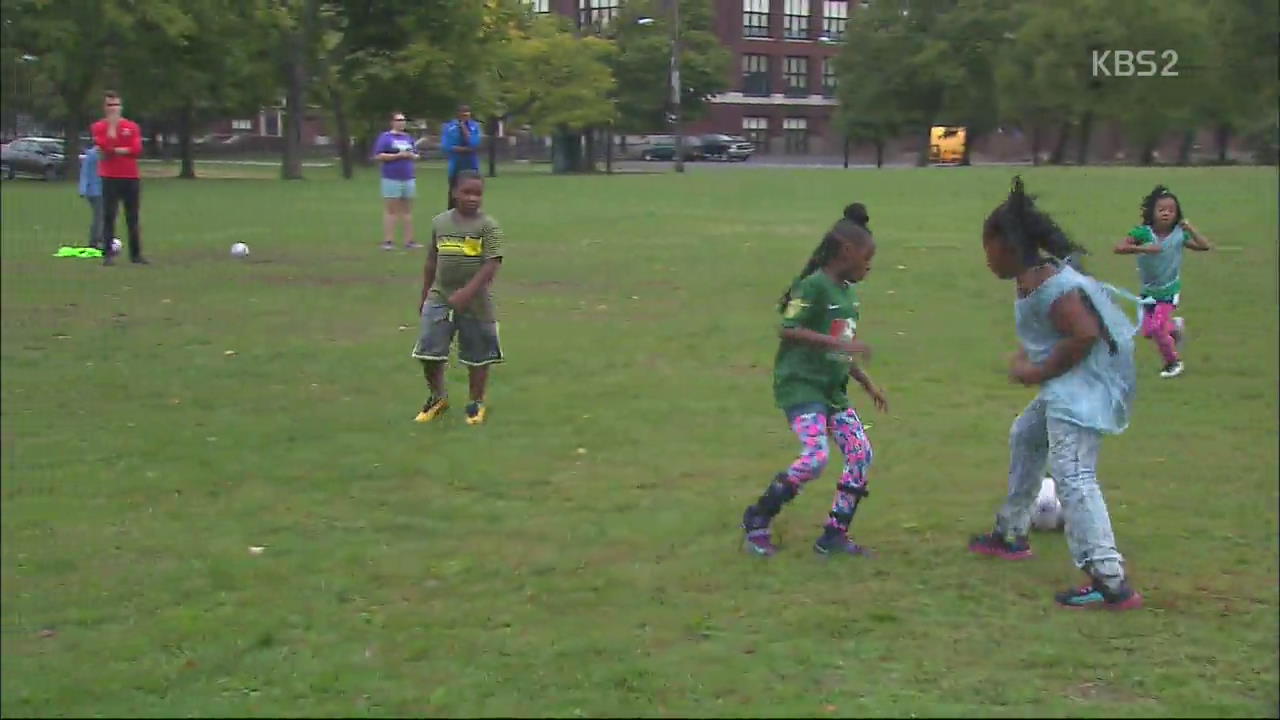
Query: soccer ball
1046, 514
116, 245
239, 250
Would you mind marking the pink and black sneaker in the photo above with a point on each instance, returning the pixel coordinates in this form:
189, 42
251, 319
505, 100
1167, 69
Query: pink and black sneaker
759, 538
1097, 597
997, 545
834, 542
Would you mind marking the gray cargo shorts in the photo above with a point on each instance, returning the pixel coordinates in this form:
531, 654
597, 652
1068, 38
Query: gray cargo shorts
478, 342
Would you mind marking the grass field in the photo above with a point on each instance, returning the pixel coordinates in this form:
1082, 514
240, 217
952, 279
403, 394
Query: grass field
579, 555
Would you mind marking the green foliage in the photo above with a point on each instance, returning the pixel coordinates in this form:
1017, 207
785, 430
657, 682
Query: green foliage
642, 65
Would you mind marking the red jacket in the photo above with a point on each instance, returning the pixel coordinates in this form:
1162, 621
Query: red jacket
128, 136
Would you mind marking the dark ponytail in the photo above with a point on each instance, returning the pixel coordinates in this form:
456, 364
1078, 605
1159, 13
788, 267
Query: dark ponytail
1024, 226
850, 228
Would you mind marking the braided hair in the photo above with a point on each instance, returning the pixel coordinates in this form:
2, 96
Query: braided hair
850, 228
1148, 206
1024, 226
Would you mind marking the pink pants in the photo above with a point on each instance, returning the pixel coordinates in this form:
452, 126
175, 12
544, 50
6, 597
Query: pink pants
1157, 324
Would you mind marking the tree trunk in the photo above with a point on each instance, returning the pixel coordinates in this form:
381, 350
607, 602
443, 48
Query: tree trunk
1035, 144
1184, 149
968, 143
922, 156
590, 137
1060, 147
1086, 136
608, 150
1223, 136
188, 171
846, 152
295, 94
493, 147
344, 131
75, 122
157, 144
1147, 155
879, 153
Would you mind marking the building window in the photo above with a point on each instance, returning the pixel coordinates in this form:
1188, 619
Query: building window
829, 79
755, 74
796, 133
539, 6
755, 18
795, 21
835, 17
756, 129
796, 75
597, 14
241, 124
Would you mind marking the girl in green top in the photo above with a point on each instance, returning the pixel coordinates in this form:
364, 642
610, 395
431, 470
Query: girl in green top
810, 378
1158, 243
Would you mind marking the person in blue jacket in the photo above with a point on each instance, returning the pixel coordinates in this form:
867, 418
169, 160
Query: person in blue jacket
460, 142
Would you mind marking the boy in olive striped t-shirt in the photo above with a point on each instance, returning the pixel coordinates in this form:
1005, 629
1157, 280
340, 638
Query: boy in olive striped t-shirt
465, 252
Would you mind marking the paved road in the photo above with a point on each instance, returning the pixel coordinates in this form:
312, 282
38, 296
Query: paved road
769, 162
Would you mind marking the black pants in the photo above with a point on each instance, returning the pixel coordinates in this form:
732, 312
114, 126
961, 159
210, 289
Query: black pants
453, 182
115, 191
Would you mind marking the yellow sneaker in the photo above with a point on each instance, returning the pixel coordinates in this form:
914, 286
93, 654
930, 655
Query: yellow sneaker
434, 408
475, 413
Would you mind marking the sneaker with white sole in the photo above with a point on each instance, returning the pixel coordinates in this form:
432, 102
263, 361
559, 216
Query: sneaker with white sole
1172, 370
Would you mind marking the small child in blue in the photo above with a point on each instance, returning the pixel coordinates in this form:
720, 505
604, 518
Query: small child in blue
1078, 347
91, 191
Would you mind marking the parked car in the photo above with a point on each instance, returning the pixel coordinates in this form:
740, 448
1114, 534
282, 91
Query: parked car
663, 147
33, 156
726, 147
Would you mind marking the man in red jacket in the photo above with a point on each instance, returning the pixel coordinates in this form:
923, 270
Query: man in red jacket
120, 143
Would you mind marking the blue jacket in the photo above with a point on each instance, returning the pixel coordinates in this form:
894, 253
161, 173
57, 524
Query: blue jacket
90, 182
451, 137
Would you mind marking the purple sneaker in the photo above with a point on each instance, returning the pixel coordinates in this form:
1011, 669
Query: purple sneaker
387, 245
412, 245
997, 546
832, 543
759, 539
760, 542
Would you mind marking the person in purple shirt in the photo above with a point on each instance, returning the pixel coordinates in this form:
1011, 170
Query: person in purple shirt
395, 151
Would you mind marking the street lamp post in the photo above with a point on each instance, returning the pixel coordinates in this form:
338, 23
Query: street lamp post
675, 84
674, 73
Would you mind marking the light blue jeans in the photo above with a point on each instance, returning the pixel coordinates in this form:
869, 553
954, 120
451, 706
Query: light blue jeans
1072, 454
396, 189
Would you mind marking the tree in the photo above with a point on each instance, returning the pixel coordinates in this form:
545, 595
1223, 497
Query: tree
560, 83
1043, 70
70, 40
1240, 94
965, 51
214, 66
1150, 107
890, 81
642, 63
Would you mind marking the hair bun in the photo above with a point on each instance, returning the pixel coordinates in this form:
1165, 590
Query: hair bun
857, 212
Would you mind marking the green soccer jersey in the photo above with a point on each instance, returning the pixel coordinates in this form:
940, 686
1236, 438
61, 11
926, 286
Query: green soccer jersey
807, 374
462, 247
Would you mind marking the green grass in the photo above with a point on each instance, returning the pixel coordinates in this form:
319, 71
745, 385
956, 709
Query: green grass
579, 555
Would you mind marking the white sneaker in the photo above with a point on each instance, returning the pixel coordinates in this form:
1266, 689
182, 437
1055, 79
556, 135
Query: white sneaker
1172, 370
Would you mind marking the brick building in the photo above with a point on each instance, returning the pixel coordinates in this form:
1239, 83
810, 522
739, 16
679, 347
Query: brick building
783, 79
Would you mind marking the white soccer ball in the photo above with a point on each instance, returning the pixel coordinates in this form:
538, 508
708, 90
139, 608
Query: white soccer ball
116, 245
239, 250
1046, 514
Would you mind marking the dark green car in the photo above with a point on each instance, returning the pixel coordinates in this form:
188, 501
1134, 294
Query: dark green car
663, 147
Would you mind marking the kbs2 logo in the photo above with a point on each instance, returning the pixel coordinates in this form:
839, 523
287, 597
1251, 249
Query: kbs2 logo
1127, 63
